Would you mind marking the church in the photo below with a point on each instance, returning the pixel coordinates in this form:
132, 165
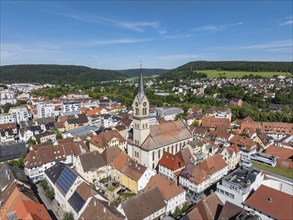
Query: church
150, 141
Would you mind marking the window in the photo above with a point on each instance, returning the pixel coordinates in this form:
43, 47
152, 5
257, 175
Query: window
144, 111
159, 154
137, 111
172, 149
176, 147
153, 155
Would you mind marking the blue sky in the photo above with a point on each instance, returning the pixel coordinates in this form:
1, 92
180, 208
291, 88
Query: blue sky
161, 34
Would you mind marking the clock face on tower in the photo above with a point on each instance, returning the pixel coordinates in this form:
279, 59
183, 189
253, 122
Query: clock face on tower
144, 104
136, 103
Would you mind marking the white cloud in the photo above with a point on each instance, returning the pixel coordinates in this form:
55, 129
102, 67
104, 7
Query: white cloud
176, 57
290, 22
215, 28
274, 46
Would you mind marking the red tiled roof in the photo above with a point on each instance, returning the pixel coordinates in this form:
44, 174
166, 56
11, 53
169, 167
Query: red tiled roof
171, 161
271, 202
215, 122
102, 140
167, 188
213, 164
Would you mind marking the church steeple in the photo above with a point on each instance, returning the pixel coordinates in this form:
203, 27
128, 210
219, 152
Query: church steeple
140, 94
140, 114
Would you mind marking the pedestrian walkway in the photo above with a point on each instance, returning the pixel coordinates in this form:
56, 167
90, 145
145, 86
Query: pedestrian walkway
50, 205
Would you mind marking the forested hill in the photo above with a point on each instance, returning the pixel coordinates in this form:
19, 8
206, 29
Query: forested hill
248, 66
56, 74
146, 72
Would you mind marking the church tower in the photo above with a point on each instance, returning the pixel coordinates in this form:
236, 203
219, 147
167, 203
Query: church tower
141, 111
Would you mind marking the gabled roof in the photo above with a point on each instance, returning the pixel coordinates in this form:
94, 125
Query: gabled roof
213, 164
28, 209
243, 141
97, 209
215, 122
102, 139
120, 161
271, 202
10, 173
208, 208
12, 151
283, 153
91, 161
144, 204
171, 161
229, 211
133, 170
194, 174
109, 154
185, 155
167, 188
166, 133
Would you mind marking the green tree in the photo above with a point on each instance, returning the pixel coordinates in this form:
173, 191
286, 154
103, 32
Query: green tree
176, 213
185, 207
68, 216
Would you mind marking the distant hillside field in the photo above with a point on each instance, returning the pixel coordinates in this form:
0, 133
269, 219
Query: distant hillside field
56, 74
233, 74
229, 69
145, 72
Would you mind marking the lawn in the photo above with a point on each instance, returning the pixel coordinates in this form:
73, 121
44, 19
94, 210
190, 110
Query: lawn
233, 74
277, 170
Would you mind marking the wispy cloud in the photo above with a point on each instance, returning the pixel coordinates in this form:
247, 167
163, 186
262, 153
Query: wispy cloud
138, 26
115, 41
280, 46
176, 57
215, 28
290, 22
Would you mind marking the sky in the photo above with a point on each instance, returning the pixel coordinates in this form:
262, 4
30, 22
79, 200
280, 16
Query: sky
158, 34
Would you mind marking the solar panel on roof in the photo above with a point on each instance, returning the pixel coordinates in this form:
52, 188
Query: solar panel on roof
66, 179
76, 202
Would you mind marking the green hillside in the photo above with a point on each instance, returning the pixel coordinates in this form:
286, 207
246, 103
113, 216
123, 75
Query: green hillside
229, 69
56, 74
146, 72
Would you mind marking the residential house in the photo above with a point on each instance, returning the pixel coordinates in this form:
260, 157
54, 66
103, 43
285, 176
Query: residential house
42, 157
212, 123
173, 195
231, 155
196, 178
269, 203
99, 209
18, 201
237, 186
284, 156
45, 109
264, 140
47, 136
6, 118
135, 176
219, 113
235, 102
10, 174
147, 205
70, 106
208, 208
19, 113
246, 145
75, 122
170, 166
71, 192
168, 114
91, 166
107, 139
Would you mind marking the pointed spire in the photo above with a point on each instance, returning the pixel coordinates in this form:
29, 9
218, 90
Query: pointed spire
140, 93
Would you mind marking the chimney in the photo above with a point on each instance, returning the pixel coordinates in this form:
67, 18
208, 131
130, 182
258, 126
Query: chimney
104, 209
95, 203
